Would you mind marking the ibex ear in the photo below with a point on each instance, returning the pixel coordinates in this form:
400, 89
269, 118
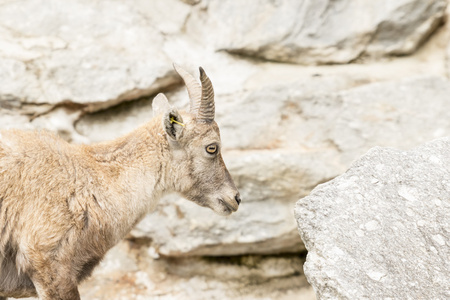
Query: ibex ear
160, 105
173, 124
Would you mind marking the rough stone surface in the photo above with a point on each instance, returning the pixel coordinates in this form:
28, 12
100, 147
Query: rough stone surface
325, 31
400, 114
448, 60
382, 229
312, 118
95, 53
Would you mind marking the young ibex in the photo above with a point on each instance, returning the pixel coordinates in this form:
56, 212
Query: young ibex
63, 206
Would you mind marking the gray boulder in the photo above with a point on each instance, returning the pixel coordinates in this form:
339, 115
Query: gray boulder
324, 31
381, 230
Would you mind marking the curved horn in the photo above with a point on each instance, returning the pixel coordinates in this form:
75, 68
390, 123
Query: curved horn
207, 108
193, 87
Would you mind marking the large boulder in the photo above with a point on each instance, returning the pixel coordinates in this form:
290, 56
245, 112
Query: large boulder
320, 32
382, 229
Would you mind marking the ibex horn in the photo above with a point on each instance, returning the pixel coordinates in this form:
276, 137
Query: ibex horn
193, 87
206, 110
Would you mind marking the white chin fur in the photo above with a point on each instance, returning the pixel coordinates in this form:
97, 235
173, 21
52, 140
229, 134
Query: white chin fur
220, 208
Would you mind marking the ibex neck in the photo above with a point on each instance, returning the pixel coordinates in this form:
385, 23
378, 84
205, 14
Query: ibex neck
133, 168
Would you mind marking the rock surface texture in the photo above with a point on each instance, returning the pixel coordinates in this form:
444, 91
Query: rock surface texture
382, 229
130, 271
64, 52
353, 75
324, 31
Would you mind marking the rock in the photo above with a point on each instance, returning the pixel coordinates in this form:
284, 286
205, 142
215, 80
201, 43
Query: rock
278, 104
400, 114
114, 122
448, 59
11, 119
179, 228
61, 120
191, 2
168, 16
79, 52
122, 119
381, 230
320, 32
312, 115
130, 271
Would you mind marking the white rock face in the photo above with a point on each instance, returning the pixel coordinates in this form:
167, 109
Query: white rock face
130, 271
381, 230
353, 119
95, 53
324, 31
448, 59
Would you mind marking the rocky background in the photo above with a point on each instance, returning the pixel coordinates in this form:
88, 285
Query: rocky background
303, 88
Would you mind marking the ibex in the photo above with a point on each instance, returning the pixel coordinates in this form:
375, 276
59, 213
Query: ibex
63, 206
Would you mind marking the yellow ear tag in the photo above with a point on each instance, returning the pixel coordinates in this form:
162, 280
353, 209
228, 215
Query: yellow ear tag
172, 120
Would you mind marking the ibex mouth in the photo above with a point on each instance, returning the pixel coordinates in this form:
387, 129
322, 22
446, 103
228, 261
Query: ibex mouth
230, 207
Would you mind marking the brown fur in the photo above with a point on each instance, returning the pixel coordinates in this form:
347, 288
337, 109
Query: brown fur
63, 206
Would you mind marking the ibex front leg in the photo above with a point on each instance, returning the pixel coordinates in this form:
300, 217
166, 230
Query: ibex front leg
52, 283
59, 290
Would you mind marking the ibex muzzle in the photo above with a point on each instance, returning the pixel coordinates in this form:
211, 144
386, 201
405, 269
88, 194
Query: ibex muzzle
63, 206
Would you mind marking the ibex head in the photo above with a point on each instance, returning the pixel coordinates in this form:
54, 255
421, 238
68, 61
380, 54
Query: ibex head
194, 143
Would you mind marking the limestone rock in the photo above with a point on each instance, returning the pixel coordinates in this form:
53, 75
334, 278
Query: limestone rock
381, 230
13, 120
318, 115
448, 59
402, 114
131, 271
273, 114
322, 32
167, 16
180, 228
95, 53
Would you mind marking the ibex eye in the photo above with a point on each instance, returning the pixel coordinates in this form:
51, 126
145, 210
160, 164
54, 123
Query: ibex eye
211, 149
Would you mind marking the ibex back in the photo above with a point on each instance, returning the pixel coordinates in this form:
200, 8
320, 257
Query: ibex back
63, 206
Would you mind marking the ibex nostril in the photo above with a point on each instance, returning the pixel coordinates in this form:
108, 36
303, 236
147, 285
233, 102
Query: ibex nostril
238, 199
